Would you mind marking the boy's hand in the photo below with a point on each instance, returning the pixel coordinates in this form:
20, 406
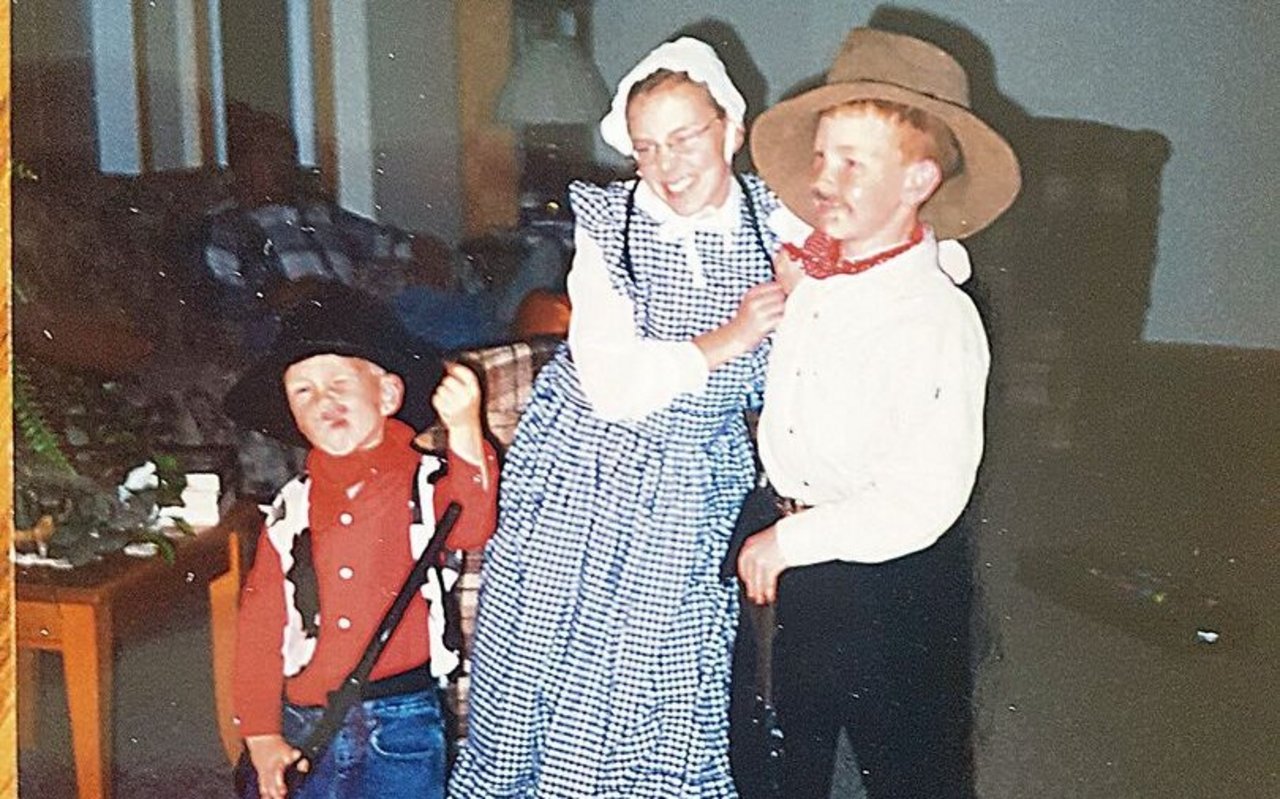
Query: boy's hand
271, 755
457, 398
759, 564
457, 401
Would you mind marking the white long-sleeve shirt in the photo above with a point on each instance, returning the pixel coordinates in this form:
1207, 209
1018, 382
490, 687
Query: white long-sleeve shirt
625, 375
873, 408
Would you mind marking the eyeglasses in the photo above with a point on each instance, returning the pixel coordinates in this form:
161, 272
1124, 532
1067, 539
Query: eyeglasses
685, 143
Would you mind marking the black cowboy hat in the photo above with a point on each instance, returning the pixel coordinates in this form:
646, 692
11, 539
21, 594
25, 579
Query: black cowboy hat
338, 321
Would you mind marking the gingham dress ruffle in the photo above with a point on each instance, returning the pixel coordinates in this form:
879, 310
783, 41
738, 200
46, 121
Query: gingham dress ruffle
603, 638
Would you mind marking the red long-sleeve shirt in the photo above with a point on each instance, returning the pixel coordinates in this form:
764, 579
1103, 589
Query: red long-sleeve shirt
361, 554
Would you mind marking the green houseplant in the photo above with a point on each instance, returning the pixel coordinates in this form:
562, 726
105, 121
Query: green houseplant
72, 517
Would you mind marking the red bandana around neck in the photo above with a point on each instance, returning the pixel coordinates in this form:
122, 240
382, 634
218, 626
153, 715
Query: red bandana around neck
819, 257
340, 473
334, 475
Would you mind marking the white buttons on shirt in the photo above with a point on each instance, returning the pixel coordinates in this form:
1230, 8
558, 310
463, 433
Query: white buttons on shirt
344, 623
345, 572
345, 519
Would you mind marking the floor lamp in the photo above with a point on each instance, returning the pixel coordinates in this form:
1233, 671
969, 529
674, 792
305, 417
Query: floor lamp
553, 96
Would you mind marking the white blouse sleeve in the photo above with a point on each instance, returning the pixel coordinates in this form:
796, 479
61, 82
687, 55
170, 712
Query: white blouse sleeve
624, 375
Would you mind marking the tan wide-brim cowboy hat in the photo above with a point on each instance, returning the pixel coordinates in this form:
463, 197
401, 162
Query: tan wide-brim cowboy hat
878, 65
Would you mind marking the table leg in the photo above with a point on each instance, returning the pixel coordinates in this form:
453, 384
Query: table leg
28, 663
223, 598
87, 654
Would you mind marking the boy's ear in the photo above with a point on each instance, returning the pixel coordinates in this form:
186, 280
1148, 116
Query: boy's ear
390, 394
922, 180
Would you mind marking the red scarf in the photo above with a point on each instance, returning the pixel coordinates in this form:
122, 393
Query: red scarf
333, 475
819, 257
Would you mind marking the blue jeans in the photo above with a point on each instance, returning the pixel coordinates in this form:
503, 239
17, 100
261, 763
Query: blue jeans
392, 747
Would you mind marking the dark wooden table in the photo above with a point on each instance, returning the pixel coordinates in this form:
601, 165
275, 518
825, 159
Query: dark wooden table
75, 612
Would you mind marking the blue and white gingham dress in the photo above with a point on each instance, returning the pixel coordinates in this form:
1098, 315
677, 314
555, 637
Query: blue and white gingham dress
602, 647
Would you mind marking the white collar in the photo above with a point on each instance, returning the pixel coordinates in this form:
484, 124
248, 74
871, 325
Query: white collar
723, 219
928, 257
953, 259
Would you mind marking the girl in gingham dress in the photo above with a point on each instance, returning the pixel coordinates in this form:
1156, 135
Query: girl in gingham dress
602, 647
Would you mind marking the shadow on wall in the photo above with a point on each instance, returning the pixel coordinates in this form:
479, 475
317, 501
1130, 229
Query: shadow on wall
1063, 278
742, 69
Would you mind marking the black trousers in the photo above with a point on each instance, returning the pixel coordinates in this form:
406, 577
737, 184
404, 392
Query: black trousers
881, 651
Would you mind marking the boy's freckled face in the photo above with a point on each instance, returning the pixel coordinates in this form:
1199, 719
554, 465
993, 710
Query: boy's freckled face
339, 403
858, 179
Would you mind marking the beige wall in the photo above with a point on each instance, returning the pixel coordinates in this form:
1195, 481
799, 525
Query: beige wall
1201, 74
255, 58
400, 97
52, 60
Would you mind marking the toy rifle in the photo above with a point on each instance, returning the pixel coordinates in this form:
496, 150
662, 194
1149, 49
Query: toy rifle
765, 713
349, 691
759, 510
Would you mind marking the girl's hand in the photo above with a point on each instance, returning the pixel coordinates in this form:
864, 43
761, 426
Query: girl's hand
787, 271
758, 314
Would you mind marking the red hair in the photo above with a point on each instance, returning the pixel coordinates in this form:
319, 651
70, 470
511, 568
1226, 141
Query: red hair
922, 135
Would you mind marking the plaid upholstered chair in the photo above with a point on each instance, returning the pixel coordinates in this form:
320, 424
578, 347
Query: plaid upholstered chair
506, 374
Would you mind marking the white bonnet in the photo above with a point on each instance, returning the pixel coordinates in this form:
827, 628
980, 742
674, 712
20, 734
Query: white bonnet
688, 55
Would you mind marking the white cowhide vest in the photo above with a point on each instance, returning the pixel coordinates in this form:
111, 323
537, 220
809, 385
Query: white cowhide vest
288, 517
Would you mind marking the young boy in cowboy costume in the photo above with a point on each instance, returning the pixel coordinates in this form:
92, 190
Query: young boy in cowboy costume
345, 378
872, 426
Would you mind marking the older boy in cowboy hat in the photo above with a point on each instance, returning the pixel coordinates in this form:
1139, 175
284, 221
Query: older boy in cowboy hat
872, 429
345, 377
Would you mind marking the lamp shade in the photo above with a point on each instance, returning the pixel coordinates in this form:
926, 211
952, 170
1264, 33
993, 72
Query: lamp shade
552, 83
